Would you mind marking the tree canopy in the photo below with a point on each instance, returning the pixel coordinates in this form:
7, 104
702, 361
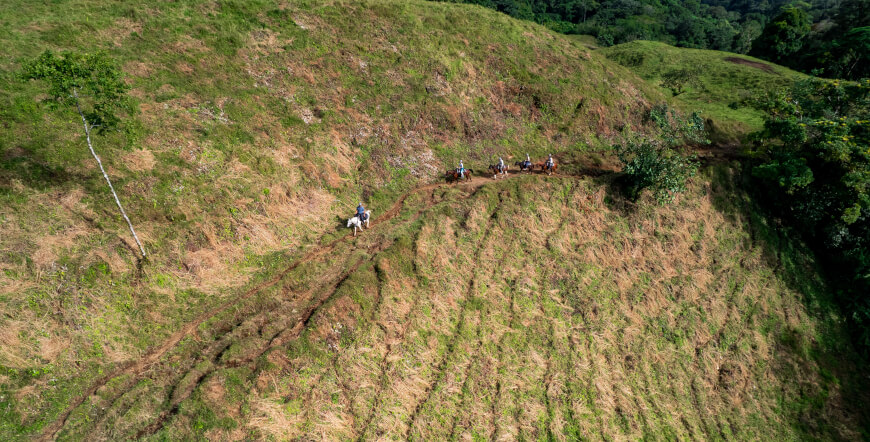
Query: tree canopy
815, 36
95, 78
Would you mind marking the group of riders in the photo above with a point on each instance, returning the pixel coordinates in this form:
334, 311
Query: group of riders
501, 168
549, 165
461, 172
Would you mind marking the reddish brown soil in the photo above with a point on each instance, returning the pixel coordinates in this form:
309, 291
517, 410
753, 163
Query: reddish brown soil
758, 65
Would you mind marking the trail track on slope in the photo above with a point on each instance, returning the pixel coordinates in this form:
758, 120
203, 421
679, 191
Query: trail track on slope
135, 370
528, 310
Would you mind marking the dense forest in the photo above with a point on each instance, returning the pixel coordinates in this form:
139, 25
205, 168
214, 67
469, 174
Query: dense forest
823, 37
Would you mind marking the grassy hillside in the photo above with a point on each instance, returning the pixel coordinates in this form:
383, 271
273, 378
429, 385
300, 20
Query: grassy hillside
723, 81
529, 308
259, 125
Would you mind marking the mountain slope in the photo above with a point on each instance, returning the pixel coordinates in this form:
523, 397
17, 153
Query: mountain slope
259, 125
719, 85
525, 308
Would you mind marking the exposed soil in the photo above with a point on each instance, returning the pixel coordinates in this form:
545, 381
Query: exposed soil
758, 65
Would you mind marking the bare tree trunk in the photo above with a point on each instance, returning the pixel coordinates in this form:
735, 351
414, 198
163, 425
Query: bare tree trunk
105, 175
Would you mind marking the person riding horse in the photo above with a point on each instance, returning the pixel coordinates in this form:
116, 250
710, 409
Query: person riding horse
550, 162
361, 212
501, 166
528, 163
460, 170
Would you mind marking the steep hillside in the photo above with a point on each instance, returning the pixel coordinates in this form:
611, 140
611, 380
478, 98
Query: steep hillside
536, 306
527, 308
718, 84
259, 124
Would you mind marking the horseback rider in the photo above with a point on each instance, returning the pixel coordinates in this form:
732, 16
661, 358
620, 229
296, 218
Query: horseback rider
528, 164
501, 167
361, 212
461, 169
550, 162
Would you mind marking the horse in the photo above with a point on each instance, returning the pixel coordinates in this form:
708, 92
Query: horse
357, 224
549, 170
496, 170
453, 176
522, 166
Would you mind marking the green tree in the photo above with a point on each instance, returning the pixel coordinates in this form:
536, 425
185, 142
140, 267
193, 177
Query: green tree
749, 31
813, 171
853, 51
852, 14
783, 37
92, 85
676, 80
661, 163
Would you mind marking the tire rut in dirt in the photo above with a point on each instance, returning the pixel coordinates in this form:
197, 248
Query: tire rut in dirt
499, 363
384, 364
548, 377
137, 368
246, 325
482, 314
466, 376
291, 331
442, 365
512, 323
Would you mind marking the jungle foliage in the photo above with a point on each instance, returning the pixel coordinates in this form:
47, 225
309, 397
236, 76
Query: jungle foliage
813, 171
822, 37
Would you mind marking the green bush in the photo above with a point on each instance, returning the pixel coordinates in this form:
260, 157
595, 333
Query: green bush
677, 79
661, 163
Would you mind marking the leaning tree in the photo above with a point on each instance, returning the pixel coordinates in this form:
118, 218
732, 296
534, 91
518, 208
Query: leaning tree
93, 86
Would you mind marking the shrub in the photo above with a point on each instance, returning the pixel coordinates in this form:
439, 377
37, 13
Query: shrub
676, 80
661, 163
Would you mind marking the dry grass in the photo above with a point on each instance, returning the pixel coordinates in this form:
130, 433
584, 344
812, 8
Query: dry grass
628, 327
251, 144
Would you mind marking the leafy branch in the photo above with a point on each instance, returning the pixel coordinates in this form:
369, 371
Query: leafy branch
658, 163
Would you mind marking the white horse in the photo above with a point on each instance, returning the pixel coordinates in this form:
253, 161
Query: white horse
357, 224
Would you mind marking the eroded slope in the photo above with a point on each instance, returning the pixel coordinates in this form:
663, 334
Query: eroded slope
526, 308
259, 124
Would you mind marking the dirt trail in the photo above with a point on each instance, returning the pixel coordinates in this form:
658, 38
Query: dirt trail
758, 65
136, 368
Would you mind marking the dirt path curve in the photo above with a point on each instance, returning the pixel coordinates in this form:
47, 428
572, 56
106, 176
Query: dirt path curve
137, 367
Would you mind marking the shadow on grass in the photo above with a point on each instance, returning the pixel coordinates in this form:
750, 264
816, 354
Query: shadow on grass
830, 352
616, 193
19, 164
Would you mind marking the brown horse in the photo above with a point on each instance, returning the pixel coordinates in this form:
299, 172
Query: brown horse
549, 170
522, 166
496, 171
453, 176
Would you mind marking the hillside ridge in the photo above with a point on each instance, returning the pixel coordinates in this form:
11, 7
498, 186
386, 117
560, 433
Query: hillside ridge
497, 309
